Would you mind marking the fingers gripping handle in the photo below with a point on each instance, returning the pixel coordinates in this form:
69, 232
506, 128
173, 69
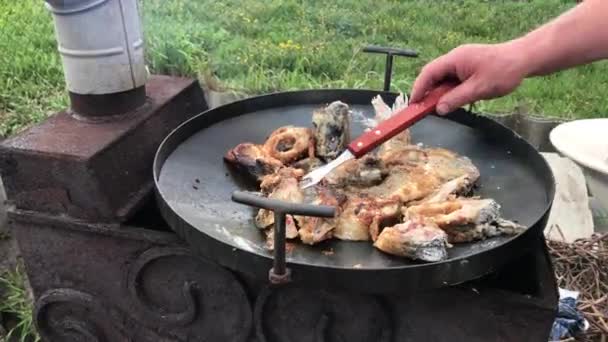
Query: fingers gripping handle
400, 121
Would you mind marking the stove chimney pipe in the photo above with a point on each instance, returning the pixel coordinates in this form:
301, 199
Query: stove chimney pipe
102, 49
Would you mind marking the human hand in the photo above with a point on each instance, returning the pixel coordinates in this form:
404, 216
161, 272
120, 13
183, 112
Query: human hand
484, 72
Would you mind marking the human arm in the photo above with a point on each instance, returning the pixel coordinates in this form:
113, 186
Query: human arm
485, 71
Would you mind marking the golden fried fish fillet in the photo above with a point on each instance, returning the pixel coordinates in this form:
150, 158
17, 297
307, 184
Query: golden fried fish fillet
362, 218
404, 184
465, 219
449, 165
450, 190
284, 185
411, 155
416, 239
363, 172
307, 164
420, 173
316, 229
252, 160
270, 182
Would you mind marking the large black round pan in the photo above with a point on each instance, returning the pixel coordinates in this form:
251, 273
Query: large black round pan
194, 189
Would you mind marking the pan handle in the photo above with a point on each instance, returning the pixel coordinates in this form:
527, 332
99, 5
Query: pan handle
279, 273
389, 52
301, 209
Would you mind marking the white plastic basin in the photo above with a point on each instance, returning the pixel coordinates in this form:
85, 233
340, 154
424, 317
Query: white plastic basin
586, 143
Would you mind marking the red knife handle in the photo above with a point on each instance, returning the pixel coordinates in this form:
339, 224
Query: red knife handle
400, 121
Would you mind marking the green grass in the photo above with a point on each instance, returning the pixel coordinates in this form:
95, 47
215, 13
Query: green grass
16, 303
264, 46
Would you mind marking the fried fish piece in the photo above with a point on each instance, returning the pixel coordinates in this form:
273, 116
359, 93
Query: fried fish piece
316, 229
307, 164
476, 232
465, 219
408, 155
383, 112
331, 130
290, 232
362, 218
449, 165
405, 184
452, 189
366, 171
289, 143
270, 182
417, 173
284, 185
457, 211
252, 160
416, 239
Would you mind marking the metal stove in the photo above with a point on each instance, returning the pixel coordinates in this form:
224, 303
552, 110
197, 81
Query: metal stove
104, 265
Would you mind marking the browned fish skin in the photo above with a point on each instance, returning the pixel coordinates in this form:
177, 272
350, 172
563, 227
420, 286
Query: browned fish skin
252, 160
465, 219
411, 155
456, 212
316, 229
366, 171
404, 184
283, 185
450, 190
331, 130
270, 182
419, 173
288, 144
449, 165
475, 232
415, 239
307, 164
362, 218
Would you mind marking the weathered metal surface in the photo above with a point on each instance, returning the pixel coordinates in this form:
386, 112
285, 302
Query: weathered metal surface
95, 282
96, 170
101, 45
107, 105
294, 314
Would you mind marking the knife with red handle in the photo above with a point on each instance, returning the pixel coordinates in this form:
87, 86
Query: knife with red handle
385, 130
